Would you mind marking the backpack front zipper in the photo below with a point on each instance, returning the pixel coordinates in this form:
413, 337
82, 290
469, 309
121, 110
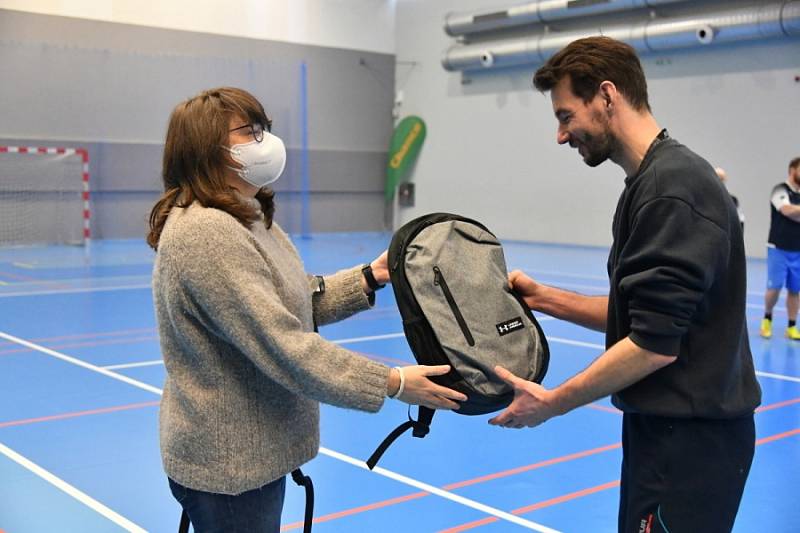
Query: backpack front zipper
438, 279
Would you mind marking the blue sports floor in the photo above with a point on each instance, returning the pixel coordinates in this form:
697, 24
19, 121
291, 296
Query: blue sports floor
80, 378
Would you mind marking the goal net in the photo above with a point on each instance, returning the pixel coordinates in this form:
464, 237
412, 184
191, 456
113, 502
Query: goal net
44, 195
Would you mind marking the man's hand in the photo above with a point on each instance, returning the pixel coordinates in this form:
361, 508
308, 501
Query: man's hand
523, 285
532, 405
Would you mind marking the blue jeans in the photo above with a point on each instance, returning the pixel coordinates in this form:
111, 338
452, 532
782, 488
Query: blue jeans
254, 511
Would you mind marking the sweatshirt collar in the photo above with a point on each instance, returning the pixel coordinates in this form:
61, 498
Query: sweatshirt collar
662, 136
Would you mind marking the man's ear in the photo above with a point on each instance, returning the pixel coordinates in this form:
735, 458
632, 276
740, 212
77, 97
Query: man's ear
608, 93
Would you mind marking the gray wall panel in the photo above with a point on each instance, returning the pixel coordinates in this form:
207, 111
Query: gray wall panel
332, 212
122, 215
110, 88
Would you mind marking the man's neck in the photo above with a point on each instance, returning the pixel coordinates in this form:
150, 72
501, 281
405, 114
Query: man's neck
635, 134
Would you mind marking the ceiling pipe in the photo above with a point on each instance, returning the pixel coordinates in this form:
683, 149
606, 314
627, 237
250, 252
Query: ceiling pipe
777, 19
541, 12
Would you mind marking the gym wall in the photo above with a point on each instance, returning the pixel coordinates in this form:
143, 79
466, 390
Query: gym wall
110, 87
491, 151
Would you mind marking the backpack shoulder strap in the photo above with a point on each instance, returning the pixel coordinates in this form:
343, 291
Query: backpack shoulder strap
305, 481
421, 427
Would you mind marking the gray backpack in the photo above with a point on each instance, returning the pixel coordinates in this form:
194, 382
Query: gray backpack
451, 285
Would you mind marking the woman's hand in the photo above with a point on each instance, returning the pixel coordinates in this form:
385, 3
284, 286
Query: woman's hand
419, 390
380, 268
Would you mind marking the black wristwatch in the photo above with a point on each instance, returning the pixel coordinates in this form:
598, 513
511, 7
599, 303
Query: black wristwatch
372, 283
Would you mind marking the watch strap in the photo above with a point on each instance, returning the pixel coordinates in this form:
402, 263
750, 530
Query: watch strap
372, 283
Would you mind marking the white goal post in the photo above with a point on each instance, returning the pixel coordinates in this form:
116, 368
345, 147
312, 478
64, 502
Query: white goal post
44, 195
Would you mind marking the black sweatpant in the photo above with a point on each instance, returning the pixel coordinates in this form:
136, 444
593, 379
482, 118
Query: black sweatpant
683, 475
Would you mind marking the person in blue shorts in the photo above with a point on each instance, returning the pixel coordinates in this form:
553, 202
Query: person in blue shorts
783, 252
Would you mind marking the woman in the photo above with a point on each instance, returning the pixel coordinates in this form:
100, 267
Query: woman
236, 315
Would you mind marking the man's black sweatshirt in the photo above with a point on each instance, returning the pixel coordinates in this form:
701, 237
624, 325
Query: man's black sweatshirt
678, 282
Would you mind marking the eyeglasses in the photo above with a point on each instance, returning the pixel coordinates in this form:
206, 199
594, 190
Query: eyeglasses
256, 130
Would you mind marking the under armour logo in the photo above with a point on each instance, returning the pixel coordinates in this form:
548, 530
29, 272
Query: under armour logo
504, 328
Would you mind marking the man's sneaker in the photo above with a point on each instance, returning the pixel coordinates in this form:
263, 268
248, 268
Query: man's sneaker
766, 328
793, 333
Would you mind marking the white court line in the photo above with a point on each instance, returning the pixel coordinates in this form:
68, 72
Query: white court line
370, 338
442, 493
70, 490
602, 347
78, 362
387, 473
134, 365
73, 291
154, 362
777, 376
340, 341
576, 343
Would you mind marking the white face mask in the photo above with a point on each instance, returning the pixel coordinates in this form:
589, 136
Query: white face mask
262, 162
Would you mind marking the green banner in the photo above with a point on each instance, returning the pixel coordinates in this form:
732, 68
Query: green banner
406, 143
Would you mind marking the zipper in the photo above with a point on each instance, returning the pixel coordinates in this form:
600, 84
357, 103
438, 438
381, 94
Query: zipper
438, 279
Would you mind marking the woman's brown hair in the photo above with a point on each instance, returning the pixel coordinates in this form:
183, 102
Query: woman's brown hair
195, 160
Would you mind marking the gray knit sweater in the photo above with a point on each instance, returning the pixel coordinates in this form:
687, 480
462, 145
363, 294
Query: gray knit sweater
245, 372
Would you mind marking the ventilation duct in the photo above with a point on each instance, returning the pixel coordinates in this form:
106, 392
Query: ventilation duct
542, 12
779, 19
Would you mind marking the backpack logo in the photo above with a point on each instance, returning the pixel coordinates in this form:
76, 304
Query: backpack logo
509, 326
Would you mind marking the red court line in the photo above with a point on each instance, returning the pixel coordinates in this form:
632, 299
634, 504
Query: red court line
83, 344
535, 506
776, 405
83, 336
761, 409
581, 493
457, 485
527, 468
357, 510
77, 414
605, 408
539, 505
783, 435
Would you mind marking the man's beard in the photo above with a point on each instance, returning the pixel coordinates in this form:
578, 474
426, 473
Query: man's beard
599, 146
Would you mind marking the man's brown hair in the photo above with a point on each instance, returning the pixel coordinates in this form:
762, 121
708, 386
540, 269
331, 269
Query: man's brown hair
794, 163
590, 61
196, 162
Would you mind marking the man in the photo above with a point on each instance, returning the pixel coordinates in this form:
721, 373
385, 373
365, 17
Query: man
678, 361
723, 177
783, 252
